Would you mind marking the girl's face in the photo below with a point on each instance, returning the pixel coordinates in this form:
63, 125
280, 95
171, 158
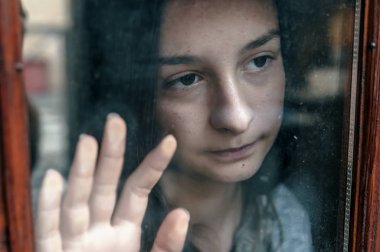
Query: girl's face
221, 84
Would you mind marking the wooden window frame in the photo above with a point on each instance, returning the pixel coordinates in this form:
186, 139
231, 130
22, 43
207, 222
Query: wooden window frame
16, 228
365, 217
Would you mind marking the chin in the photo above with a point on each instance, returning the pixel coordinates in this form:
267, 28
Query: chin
223, 172
234, 173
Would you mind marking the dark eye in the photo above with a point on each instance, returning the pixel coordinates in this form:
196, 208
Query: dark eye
258, 63
184, 80
188, 79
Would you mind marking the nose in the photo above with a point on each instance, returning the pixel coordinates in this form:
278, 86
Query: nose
230, 110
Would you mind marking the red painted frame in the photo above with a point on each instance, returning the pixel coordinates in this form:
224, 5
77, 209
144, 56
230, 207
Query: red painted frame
16, 232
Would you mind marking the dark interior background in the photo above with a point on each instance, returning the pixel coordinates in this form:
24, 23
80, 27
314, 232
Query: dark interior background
313, 152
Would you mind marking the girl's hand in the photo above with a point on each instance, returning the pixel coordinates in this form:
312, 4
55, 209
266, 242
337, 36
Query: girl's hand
88, 218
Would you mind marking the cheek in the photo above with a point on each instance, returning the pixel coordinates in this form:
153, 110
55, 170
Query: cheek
176, 119
276, 93
266, 91
268, 102
274, 104
268, 109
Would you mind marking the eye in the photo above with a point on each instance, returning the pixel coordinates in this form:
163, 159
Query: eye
184, 80
258, 63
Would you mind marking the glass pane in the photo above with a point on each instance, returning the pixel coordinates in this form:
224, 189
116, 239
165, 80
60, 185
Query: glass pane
255, 92
47, 24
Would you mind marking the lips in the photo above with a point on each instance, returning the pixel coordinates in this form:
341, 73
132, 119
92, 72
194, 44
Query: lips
234, 154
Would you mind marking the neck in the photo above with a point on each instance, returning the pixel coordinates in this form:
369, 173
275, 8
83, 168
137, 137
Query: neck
214, 207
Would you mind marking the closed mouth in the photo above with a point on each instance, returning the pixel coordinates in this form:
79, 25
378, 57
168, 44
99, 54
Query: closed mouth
233, 149
231, 154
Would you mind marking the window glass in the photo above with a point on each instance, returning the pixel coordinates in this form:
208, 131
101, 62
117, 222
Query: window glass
256, 94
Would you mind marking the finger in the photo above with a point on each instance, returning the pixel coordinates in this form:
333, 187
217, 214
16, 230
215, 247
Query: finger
134, 198
75, 210
48, 238
111, 157
172, 234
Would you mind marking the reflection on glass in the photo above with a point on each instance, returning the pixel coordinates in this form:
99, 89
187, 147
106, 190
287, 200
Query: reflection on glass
253, 92
47, 24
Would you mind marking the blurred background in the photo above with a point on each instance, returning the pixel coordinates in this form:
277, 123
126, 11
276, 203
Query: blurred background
47, 24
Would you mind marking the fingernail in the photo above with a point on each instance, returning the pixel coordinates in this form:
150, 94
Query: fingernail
52, 178
187, 213
81, 136
115, 130
169, 144
112, 115
183, 223
170, 140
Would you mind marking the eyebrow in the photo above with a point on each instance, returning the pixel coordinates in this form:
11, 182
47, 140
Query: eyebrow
187, 59
275, 33
177, 60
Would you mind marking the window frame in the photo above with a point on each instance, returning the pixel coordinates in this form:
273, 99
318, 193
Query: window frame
16, 228
365, 231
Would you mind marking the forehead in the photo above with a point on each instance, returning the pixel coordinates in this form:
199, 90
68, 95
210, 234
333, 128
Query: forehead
187, 23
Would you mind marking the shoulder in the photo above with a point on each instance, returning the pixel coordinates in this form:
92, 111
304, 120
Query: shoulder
294, 221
